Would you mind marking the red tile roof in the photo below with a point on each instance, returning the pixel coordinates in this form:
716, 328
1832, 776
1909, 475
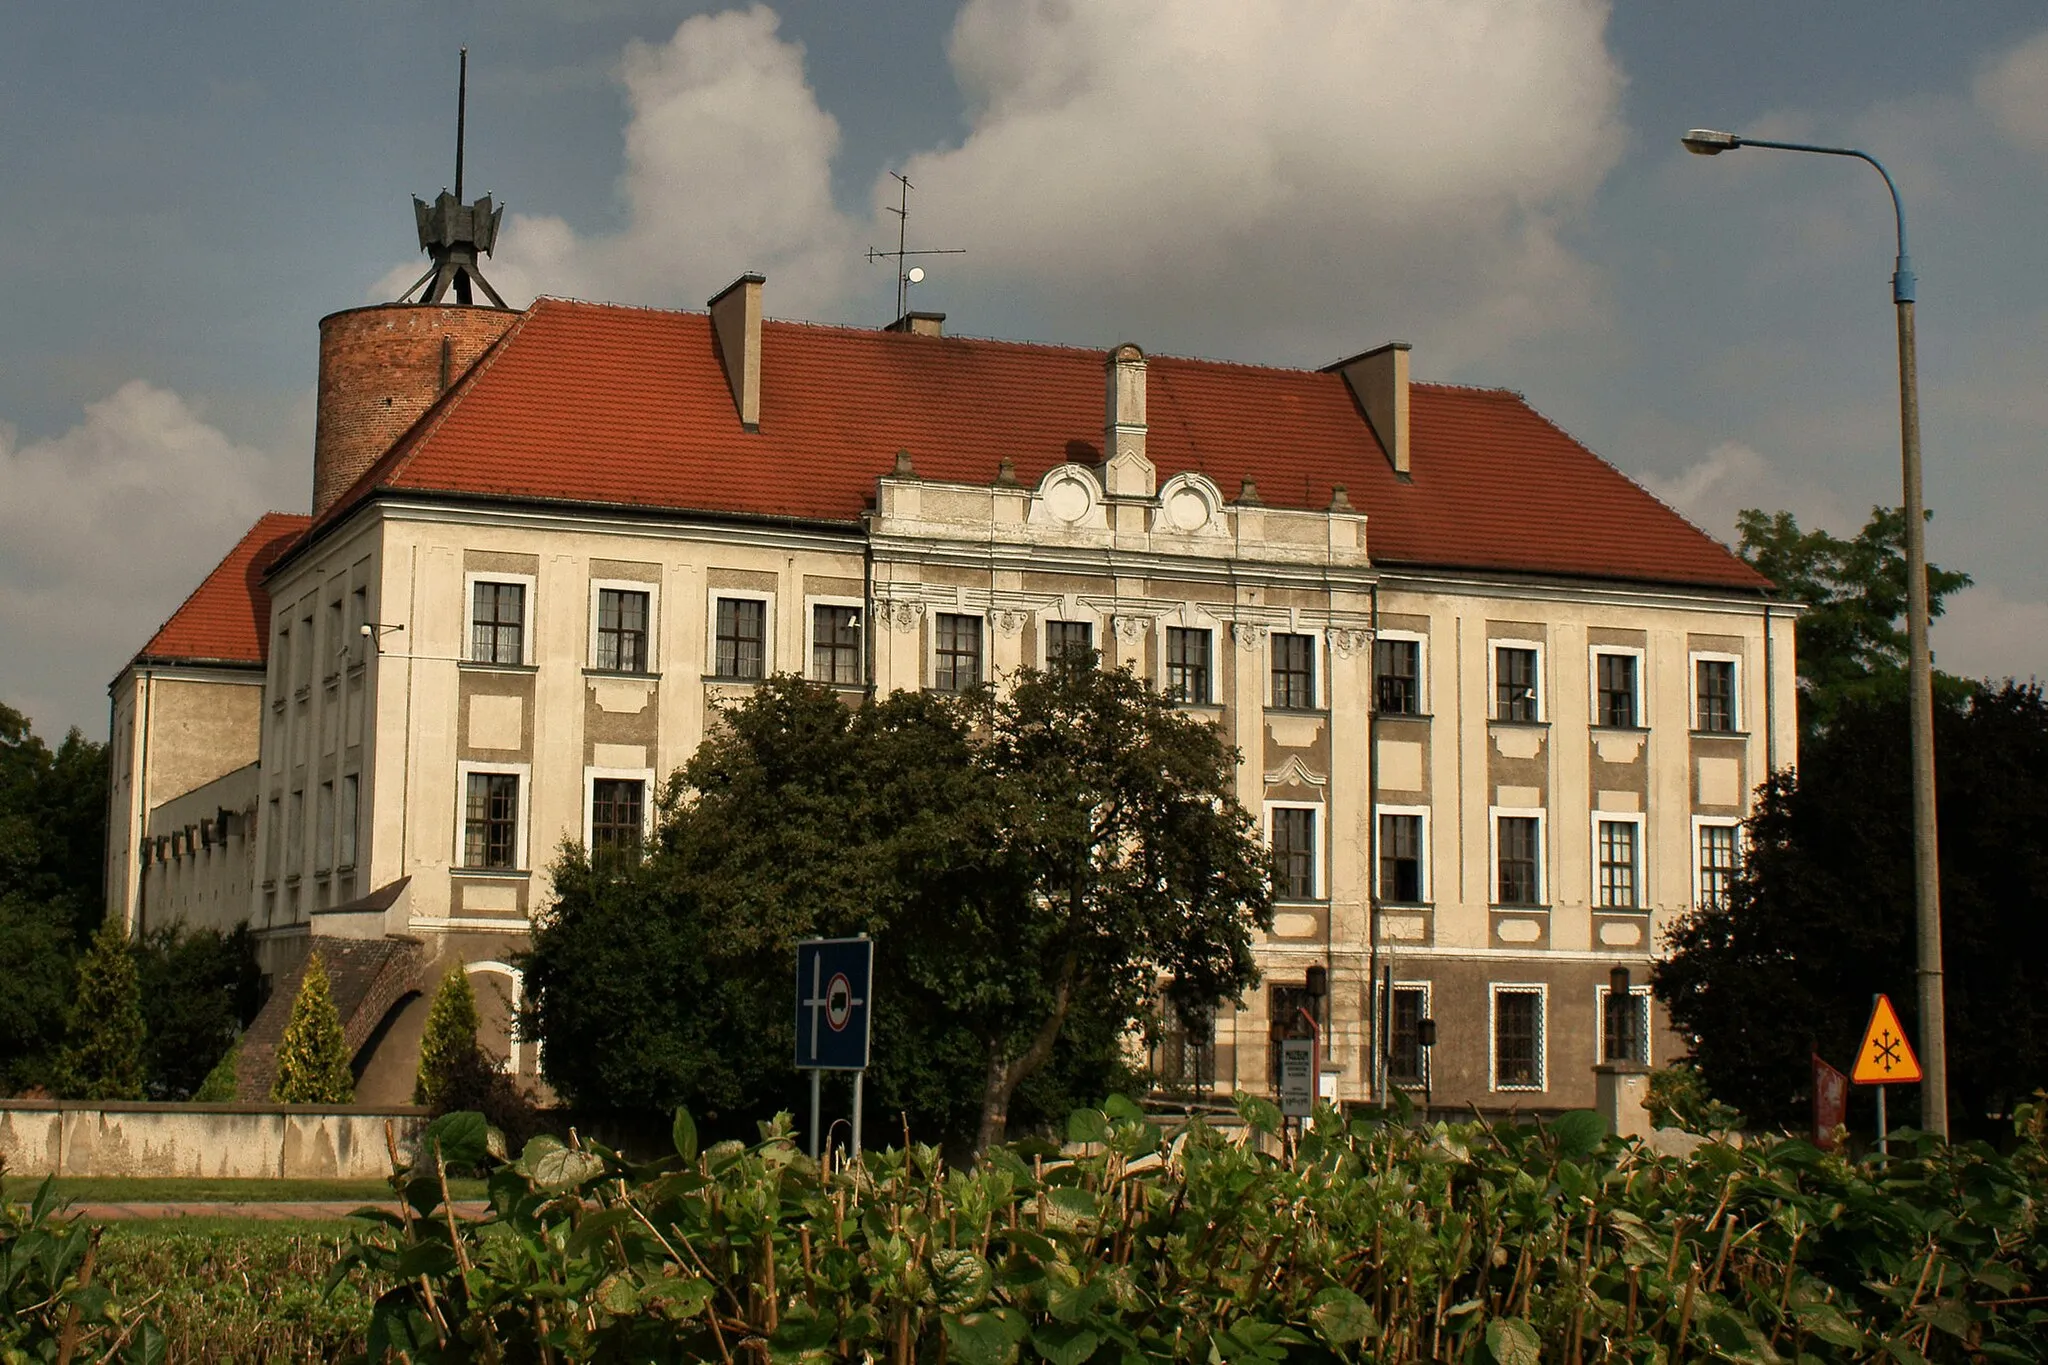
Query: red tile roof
602, 404
227, 617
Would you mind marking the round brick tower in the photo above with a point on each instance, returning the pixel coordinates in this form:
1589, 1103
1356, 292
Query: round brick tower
381, 367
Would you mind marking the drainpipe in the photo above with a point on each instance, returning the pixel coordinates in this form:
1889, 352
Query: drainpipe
1374, 1075
147, 681
1770, 700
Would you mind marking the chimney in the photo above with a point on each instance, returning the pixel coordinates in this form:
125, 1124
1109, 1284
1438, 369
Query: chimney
919, 324
736, 325
1379, 381
1126, 470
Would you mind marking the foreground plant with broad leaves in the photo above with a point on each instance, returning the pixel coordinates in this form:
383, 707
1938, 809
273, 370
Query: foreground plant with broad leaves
51, 1308
1368, 1242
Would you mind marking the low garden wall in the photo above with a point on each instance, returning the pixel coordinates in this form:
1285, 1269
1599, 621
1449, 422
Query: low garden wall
292, 1141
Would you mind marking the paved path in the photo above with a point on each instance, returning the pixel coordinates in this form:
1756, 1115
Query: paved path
302, 1210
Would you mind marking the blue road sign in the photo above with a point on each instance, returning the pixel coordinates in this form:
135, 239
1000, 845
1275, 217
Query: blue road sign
833, 977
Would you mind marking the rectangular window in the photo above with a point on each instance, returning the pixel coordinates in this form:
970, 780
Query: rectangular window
622, 630
1514, 679
835, 644
1284, 1007
1618, 869
337, 647
1187, 665
956, 653
1187, 1048
498, 623
1294, 849
1717, 865
1294, 672
1401, 858
346, 821
490, 827
1714, 689
1614, 701
1397, 677
741, 645
1068, 640
1625, 1025
1519, 867
1407, 1059
295, 835
358, 645
1517, 1038
323, 847
618, 809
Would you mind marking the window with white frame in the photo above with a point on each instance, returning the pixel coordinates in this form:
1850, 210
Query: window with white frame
1068, 640
1719, 858
1617, 862
1294, 672
622, 627
1516, 1037
1403, 849
1716, 703
836, 646
1518, 857
1397, 674
956, 652
1625, 1025
493, 817
1407, 1058
1292, 832
1517, 680
1187, 664
498, 618
1617, 688
739, 637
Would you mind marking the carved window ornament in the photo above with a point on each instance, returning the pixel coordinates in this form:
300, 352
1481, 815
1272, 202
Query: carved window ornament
1068, 495
1190, 505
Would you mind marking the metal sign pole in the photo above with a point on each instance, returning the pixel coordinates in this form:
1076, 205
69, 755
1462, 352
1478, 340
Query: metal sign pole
858, 1078
1884, 1146
816, 1077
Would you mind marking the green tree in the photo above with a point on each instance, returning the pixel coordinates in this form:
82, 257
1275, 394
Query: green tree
1030, 865
104, 1046
449, 1048
312, 1059
1822, 915
200, 989
52, 844
1851, 640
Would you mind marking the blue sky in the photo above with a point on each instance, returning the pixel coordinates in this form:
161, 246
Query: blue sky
188, 189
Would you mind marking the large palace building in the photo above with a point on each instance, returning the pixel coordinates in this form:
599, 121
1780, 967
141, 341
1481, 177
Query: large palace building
1500, 710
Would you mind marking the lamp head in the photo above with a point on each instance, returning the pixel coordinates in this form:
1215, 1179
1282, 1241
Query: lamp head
1618, 981
1317, 984
1708, 142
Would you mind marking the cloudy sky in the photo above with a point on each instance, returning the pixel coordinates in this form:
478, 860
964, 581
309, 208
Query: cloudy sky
1498, 182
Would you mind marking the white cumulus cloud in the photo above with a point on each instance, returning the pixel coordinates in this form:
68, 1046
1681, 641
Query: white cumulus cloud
104, 529
1732, 476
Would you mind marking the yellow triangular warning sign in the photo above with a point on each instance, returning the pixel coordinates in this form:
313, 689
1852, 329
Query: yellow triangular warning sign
1885, 1058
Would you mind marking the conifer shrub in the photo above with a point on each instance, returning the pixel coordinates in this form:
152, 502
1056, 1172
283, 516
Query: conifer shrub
103, 1051
219, 1085
313, 1059
449, 1047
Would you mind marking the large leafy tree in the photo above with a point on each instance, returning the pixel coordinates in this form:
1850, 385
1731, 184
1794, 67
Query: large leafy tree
1851, 640
1823, 913
1030, 864
200, 989
53, 814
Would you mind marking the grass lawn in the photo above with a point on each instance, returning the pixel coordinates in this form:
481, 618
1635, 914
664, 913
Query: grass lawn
192, 1190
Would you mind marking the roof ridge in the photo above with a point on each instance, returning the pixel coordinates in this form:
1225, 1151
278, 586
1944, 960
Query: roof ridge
1491, 390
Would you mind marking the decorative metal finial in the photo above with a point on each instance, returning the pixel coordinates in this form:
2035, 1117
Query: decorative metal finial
454, 233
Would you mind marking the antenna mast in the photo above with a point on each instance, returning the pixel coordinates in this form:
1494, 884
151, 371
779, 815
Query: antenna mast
461, 118
906, 278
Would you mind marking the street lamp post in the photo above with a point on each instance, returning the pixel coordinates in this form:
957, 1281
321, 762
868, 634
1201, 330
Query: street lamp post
1919, 663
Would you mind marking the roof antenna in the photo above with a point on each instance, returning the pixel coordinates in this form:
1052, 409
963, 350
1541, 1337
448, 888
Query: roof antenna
453, 233
914, 275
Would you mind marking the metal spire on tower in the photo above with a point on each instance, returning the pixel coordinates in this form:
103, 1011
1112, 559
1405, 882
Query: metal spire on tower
453, 233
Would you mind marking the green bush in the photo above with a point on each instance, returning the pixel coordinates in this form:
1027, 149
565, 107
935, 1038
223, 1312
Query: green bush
1679, 1098
449, 1044
313, 1060
219, 1087
1367, 1241
103, 1050
51, 1306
